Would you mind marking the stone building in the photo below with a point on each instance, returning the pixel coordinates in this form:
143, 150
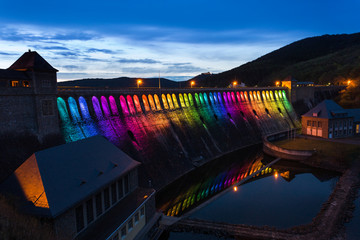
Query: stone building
88, 189
28, 97
329, 120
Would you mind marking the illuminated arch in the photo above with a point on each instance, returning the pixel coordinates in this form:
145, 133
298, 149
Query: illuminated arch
105, 106
201, 98
242, 96
123, 104
151, 102
233, 97
238, 96
186, 99
228, 94
271, 95
113, 106
181, 98
251, 96
205, 98
64, 114
157, 102
74, 111
130, 104
267, 95
176, 104
171, 105
197, 98
246, 96
97, 108
137, 104
84, 108
225, 97
258, 95
146, 103
163, 97
191, 99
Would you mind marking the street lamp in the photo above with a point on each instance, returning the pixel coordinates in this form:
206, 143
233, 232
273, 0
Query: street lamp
139, 81
348, 82
234, 83
277, 83
192, 83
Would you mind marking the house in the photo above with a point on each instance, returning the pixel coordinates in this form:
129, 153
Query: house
88, 189
329, 120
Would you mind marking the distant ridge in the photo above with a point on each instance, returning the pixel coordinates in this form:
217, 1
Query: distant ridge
123, 82
323, 59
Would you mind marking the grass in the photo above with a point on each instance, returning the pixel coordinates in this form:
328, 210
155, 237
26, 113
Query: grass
332, 152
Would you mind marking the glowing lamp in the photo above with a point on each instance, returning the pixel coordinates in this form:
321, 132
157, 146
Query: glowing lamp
139, 81
235, 188
277, 83
234, 83
276, 175
192, 83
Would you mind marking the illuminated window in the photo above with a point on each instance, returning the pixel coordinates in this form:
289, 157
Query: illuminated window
319, 124
15, 83
309, 123
26, 84
357, 128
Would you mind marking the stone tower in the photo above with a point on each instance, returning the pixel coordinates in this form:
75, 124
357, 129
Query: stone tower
28, 97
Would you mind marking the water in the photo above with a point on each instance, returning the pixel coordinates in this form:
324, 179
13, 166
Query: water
286, 194
270, 201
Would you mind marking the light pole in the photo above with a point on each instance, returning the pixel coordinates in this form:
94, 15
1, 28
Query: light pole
234, 84
139, 81
192, 83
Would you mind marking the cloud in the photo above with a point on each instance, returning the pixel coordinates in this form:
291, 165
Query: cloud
7, 54
90, 59
106, 51
73, 67
185, 68
145, 60
49, 47
68, 53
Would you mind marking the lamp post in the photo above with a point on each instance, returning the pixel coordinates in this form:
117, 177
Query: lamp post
277, 83
192, 83
234, 84
139, 81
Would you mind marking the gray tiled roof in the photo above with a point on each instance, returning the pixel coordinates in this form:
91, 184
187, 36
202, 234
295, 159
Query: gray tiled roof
327, 109
72, 172
32, 61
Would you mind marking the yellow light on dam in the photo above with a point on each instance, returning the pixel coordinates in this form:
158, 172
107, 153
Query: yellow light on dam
276, 175
235, 188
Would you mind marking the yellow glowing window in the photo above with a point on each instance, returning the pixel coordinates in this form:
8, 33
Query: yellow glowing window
26, 84
357, 128
14, 83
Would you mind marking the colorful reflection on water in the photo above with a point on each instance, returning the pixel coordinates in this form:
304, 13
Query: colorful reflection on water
171, 133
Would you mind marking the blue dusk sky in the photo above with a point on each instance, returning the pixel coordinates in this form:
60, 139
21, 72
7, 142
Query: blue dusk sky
179, 39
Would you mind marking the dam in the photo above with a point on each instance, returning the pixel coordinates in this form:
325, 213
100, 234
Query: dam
173, 131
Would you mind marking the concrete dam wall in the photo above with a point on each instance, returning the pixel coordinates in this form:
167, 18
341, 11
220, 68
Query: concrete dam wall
172, 132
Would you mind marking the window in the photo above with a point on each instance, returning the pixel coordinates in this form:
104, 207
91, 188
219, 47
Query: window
26, 84
120, 189
47, 107
79, 212
15, 83
319, 124
107, 198
309, 123
142, 211
314, 123
89, 211
357, 128
126, 182
46, 83
335, 133
336, 124
130, 224
113, 193
123, 231
136, 217
98, 203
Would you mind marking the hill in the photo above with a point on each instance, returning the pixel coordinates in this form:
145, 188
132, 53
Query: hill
123, 82
323, 59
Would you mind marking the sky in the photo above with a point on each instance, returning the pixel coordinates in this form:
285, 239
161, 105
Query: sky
173, 39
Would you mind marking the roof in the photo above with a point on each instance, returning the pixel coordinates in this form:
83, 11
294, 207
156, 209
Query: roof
327, 109
12, 74
31, 60
356, 113
60, 177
